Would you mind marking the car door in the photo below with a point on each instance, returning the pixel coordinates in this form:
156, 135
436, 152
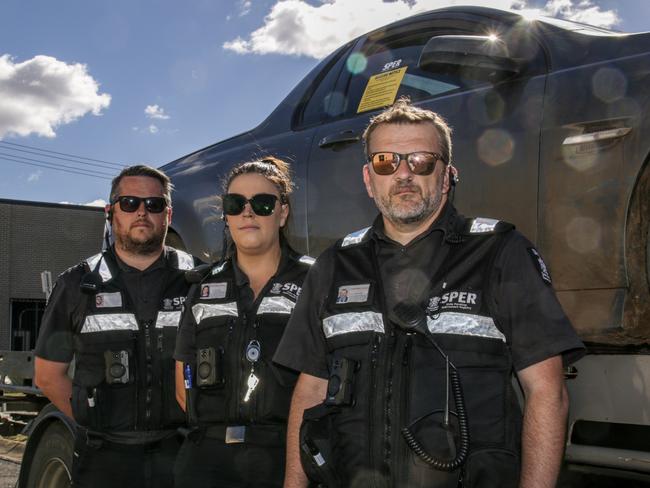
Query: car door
496, 125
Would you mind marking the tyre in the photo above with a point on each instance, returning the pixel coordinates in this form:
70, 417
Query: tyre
51, 466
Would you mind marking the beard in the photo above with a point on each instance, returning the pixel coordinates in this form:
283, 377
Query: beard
409, 209
142, 247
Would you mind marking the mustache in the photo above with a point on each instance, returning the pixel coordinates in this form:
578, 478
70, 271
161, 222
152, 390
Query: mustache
401, 186
142, 221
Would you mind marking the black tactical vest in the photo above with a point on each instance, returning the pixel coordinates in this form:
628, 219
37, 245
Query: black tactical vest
399, 378
124, 369
231, 345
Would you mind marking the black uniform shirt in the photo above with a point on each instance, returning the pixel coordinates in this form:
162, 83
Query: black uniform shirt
144, 288
532, 319
247, 304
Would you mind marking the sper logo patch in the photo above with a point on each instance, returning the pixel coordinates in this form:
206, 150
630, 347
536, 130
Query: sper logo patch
290, 290
456, 300
211, 291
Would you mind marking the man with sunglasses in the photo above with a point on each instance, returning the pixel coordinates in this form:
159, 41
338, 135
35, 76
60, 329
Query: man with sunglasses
415, 365
116, 314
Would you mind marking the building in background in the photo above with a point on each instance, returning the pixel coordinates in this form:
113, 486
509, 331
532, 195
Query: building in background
37, 237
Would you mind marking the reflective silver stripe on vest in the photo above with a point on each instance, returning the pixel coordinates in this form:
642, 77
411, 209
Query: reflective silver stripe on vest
275, 305
354, 238
185, 261
168, 319
307, 260
104, 272
465, 324
345, 323
109, 322
206, 310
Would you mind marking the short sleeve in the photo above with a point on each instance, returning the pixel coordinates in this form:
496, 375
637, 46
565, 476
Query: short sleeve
302, 347
185, 350
527, 308
56, 337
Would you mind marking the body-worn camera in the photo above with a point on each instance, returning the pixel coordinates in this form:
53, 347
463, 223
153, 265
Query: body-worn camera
209, 368
341, 382
117, 367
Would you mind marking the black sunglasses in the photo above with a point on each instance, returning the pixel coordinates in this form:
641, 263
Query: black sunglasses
420, 162
263, 204
151, 204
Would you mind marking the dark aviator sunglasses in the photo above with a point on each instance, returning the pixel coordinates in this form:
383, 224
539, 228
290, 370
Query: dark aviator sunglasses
130, 204
263, 204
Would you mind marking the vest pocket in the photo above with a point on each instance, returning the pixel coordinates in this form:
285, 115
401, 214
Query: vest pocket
96, 403
213, 337
488, 468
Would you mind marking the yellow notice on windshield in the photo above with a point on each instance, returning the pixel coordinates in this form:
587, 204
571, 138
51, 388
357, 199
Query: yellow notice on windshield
381, 90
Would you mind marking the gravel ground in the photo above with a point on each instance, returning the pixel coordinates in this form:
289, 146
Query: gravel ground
8, 473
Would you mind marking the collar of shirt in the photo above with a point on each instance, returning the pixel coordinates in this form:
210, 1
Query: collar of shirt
287, 255
441, 223
161, 262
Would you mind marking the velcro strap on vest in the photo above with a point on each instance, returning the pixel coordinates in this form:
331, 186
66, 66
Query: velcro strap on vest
260, 435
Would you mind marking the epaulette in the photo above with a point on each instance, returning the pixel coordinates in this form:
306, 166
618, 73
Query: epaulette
196, 275
308, 260
484, 225
354, 238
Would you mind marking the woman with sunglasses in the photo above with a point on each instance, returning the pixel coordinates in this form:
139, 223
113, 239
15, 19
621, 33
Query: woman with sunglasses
236, 399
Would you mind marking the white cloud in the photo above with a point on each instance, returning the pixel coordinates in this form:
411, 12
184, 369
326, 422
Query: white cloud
245, 7
99, 202
155, 112
153, 129
581, 11
42, 93
297, 28
34, 176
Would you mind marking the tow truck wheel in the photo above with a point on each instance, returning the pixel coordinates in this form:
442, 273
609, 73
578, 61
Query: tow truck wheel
51, 465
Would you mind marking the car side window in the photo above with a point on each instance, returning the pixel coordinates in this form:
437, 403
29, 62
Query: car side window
323, 103
399, 57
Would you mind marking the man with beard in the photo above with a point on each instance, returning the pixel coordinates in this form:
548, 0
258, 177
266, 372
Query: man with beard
116, 314
415, 366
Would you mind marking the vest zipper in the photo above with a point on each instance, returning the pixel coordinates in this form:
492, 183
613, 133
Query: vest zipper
148, 373
402, 414
371, 411
388, 398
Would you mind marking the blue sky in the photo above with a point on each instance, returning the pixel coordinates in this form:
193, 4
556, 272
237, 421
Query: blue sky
132, 81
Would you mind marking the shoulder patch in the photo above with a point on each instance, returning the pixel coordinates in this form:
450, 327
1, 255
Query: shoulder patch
355, 237
306, 260
540, 265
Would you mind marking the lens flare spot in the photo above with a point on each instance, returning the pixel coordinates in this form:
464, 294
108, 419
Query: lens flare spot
580, 157
495, 147
609, 84
335, 104
583, 234
356, 63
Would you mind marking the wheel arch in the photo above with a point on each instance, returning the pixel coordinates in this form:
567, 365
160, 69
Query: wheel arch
34, 430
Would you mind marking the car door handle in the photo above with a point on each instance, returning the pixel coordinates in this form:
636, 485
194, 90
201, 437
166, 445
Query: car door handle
601, 135
344, 137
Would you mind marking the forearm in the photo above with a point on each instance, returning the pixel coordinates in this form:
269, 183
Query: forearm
543, 438
59, 391
309, 391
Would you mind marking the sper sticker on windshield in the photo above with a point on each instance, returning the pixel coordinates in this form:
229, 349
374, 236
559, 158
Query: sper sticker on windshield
381, 90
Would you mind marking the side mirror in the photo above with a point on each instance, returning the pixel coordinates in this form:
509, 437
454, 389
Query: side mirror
485, 58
